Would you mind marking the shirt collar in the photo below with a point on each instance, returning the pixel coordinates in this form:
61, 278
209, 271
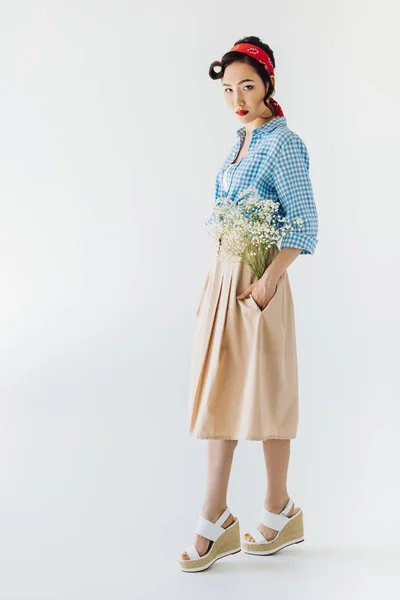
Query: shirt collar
266, 127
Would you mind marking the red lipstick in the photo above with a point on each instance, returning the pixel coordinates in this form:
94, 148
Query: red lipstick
241, 113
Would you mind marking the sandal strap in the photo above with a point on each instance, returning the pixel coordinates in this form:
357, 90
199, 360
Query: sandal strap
192, 552
276, 521
288, 507
221, 520
210, 530
257, 537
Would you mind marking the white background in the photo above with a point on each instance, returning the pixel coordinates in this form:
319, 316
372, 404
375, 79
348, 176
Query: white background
111, 136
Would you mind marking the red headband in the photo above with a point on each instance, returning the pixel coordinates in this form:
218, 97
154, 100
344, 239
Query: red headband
262, 57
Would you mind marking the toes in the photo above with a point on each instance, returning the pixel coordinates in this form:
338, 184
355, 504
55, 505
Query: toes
185, 555
249, 537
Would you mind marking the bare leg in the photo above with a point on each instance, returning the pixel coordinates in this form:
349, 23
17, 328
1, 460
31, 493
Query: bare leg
219, 463
276, 454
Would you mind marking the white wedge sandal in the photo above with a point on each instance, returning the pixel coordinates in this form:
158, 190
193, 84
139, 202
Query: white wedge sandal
224, 542
290, 531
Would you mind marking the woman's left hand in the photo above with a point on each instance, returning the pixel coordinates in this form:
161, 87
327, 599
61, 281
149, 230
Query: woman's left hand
262, 290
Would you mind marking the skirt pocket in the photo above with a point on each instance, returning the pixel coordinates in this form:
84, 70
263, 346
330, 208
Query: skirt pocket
273, 300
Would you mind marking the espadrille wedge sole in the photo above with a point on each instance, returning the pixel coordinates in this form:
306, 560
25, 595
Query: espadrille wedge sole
290, 531
225, 542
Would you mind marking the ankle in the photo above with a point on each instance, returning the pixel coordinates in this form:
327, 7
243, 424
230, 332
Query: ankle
212, 512
276, 504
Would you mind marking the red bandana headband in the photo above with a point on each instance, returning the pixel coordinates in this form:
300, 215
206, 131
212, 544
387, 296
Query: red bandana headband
262, 57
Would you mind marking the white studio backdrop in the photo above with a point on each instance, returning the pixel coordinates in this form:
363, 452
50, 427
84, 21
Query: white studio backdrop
111, 136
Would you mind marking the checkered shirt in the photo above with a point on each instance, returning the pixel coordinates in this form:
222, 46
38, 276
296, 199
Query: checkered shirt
277, 166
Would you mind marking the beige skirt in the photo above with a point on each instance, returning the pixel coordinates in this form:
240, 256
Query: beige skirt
243, 369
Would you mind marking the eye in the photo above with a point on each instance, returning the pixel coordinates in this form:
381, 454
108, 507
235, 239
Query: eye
246, 86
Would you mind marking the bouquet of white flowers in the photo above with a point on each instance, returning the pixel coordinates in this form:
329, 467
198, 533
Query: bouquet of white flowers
248, 228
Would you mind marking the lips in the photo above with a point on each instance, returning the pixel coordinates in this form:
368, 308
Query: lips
241, 113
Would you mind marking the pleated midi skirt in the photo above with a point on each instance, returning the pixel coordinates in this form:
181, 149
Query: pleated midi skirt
243, 366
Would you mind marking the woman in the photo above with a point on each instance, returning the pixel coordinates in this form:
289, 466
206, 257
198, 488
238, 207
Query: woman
243, 382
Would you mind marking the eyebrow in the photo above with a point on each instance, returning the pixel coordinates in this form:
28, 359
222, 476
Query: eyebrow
242, 81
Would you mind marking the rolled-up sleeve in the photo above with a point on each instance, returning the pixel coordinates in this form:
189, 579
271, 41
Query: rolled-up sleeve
295, 194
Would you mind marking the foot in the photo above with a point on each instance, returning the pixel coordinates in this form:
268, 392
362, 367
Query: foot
267, 532
203, 544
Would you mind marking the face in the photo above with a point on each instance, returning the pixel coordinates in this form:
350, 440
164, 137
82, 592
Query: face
245, 90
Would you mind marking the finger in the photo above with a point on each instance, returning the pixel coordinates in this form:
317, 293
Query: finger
244, 294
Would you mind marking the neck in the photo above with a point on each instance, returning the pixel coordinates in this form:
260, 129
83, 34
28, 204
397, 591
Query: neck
268, 115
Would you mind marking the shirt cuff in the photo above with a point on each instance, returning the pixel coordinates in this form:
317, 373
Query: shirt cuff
307, 243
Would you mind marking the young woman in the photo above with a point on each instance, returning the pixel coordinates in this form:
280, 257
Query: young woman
243, 382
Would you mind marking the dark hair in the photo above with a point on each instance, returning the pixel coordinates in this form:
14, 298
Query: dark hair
233, 56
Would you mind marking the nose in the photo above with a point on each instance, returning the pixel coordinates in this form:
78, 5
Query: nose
238, 100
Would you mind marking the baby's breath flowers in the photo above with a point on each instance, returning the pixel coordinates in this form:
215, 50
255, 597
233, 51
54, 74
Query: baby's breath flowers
248, 228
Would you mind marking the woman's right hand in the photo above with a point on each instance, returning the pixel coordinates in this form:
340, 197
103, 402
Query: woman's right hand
202, 296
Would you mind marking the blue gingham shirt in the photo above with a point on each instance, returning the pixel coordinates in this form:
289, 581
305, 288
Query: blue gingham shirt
277, 167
